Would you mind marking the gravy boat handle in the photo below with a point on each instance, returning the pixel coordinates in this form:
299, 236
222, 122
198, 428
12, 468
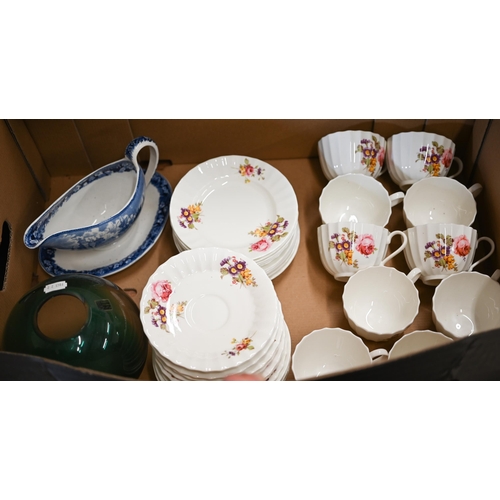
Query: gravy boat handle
133, 150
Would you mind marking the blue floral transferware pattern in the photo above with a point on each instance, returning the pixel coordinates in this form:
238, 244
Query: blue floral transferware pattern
48, 256
94, 235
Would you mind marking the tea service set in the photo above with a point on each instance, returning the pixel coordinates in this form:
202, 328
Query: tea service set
228, 257
438, 243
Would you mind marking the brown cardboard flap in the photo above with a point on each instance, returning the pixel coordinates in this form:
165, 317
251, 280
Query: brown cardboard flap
31, 155
487, 173
20, 203
60, 146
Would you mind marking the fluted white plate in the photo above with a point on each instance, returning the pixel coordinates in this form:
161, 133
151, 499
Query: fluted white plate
234, 202
209, 309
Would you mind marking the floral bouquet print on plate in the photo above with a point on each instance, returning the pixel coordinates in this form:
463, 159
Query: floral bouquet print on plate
345, 243
249, 171
157, 306
238, 271
240, 346
269, 233
373, 154
435, 157
444, 249
190, 216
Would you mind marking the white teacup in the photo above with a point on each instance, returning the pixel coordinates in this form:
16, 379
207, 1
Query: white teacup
329, 351
412, 156
440, 200
440, 250
417, 341
357, 198
467, 303
380, 302
352, 152
346, 248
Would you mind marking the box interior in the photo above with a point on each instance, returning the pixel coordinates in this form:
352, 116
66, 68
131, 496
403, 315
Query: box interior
41, 159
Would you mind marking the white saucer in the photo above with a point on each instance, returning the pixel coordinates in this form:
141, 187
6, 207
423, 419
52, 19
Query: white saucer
210, 310
125, 250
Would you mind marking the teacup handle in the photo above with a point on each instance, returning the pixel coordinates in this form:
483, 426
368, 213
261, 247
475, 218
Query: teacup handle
460, 164
132, 152
379, 355
396, 198
492, 243
404, 242
475, 189
414, 274
496, 275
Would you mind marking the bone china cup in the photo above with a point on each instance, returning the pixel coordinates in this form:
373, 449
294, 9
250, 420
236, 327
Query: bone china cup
352, 152
357, 198
417, 341
100, 207
346, 248
331, 350
380, 302
440, 200
440, 250
412, 156
467, 303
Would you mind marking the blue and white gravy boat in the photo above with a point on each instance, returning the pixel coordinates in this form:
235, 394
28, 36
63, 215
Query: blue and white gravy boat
100, 207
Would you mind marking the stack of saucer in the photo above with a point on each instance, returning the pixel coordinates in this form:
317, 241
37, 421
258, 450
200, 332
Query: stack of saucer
212, 312
240, 203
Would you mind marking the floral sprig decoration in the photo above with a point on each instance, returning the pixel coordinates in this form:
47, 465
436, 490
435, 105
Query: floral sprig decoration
373, 153
248, 171
434, 157
269, 233
161, 291
441, 251
238, 271
242, 345
344, 242
190, 216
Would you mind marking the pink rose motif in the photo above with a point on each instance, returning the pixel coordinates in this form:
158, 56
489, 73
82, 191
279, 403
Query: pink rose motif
249, 170
381, 156
161, 290
365, 244
461, 245
261, 245
447, 158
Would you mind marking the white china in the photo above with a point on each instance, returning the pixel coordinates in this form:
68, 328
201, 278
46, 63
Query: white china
441, 250
380, 302
330, 351
417, 341
210, 310
440, 200
467, 303
346, 248
235, 202
124, 250
412, 156
351, 152
252, 365
274, 368
100, 207
357, 198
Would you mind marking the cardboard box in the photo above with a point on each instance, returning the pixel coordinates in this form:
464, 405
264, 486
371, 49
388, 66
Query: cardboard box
43, 158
